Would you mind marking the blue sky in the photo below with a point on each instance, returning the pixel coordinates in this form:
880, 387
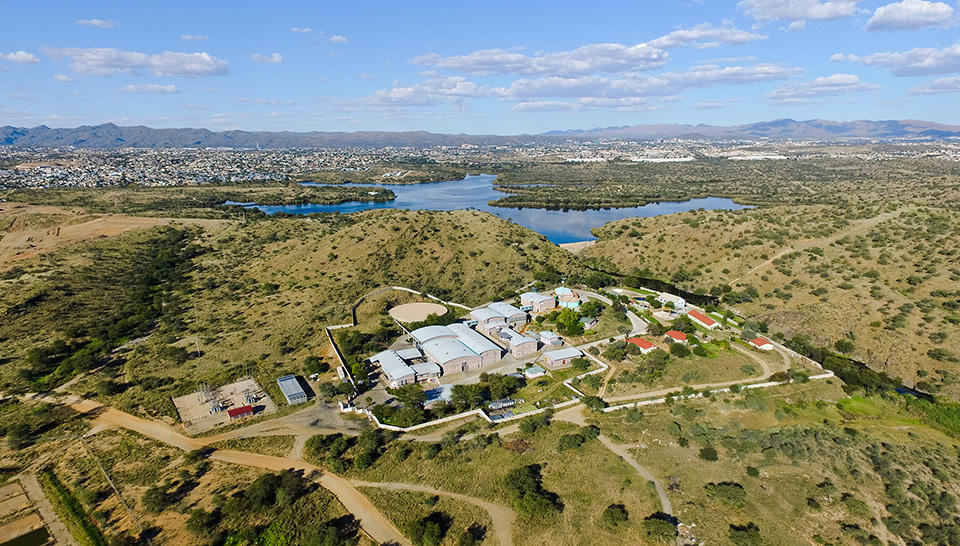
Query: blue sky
471, 67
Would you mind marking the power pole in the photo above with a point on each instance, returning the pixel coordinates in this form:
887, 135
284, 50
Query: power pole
196, 324
123, 503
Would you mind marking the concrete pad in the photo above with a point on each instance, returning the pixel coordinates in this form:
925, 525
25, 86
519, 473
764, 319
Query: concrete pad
10, 490
13, 505
20, 527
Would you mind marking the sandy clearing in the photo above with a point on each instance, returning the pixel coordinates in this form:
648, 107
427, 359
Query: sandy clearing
417, 311
19, 242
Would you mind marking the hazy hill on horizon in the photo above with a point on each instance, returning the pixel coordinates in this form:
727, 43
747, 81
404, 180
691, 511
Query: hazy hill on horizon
110, 135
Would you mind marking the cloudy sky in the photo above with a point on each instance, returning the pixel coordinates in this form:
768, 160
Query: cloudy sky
476, 67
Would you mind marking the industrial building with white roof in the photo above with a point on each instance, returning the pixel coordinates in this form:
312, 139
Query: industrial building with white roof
456, 348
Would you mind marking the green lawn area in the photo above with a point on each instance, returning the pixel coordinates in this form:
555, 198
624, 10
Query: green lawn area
720, 365
586, 479
546, 391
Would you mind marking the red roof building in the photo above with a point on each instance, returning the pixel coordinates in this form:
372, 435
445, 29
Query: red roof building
702, 320
761, 344
675, 336
644, 345
240, 413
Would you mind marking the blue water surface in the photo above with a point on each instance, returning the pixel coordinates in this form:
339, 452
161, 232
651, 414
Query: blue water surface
475, 191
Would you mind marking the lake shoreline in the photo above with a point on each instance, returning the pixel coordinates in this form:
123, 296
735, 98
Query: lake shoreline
475, 192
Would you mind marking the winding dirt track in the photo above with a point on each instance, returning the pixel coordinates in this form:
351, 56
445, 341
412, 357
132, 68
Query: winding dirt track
624, 454
501, 517
575, 415
767, 371
856, 228
371, 520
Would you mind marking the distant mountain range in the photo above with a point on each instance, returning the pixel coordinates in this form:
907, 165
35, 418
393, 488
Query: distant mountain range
780, 129
109, 135
113, 136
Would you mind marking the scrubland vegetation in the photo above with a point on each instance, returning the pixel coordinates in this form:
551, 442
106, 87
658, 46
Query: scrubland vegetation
843, 261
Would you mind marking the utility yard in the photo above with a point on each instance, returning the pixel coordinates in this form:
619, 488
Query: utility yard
207, 409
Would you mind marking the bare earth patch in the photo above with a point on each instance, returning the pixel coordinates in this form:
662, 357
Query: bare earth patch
417, 311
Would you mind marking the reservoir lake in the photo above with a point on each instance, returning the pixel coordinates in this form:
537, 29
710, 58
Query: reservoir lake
475, 191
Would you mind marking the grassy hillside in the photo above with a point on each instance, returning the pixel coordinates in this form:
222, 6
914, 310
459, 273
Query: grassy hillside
840, 470
880, 283
253, 296
191, 201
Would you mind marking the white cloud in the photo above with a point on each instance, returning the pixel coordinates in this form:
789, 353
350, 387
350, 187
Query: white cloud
826, 86
548, 106
273, 58
915, 62
589, 59
301, 30
797, 26
938, 87
62, 78
798, 10
150, 89
338, 39
626, 104
626, 92
21, 57
705, 36
910, 15
367, 77
99, 23
450, 89
665, 84
193, 37
104, 61
715, 104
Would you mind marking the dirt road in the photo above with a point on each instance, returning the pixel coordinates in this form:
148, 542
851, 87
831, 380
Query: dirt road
766, 371
575, 415
501, 517
624, 454
856, 228
25, 238
372, 521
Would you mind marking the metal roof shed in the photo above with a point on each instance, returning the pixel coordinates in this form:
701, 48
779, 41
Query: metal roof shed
291, 389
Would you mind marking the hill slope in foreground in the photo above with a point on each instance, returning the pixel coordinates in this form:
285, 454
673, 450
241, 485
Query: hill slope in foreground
869, 468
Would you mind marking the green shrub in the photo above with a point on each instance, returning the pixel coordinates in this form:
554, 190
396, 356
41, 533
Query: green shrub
745, 535
524, 487
660, 527
731, 493
614, 515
